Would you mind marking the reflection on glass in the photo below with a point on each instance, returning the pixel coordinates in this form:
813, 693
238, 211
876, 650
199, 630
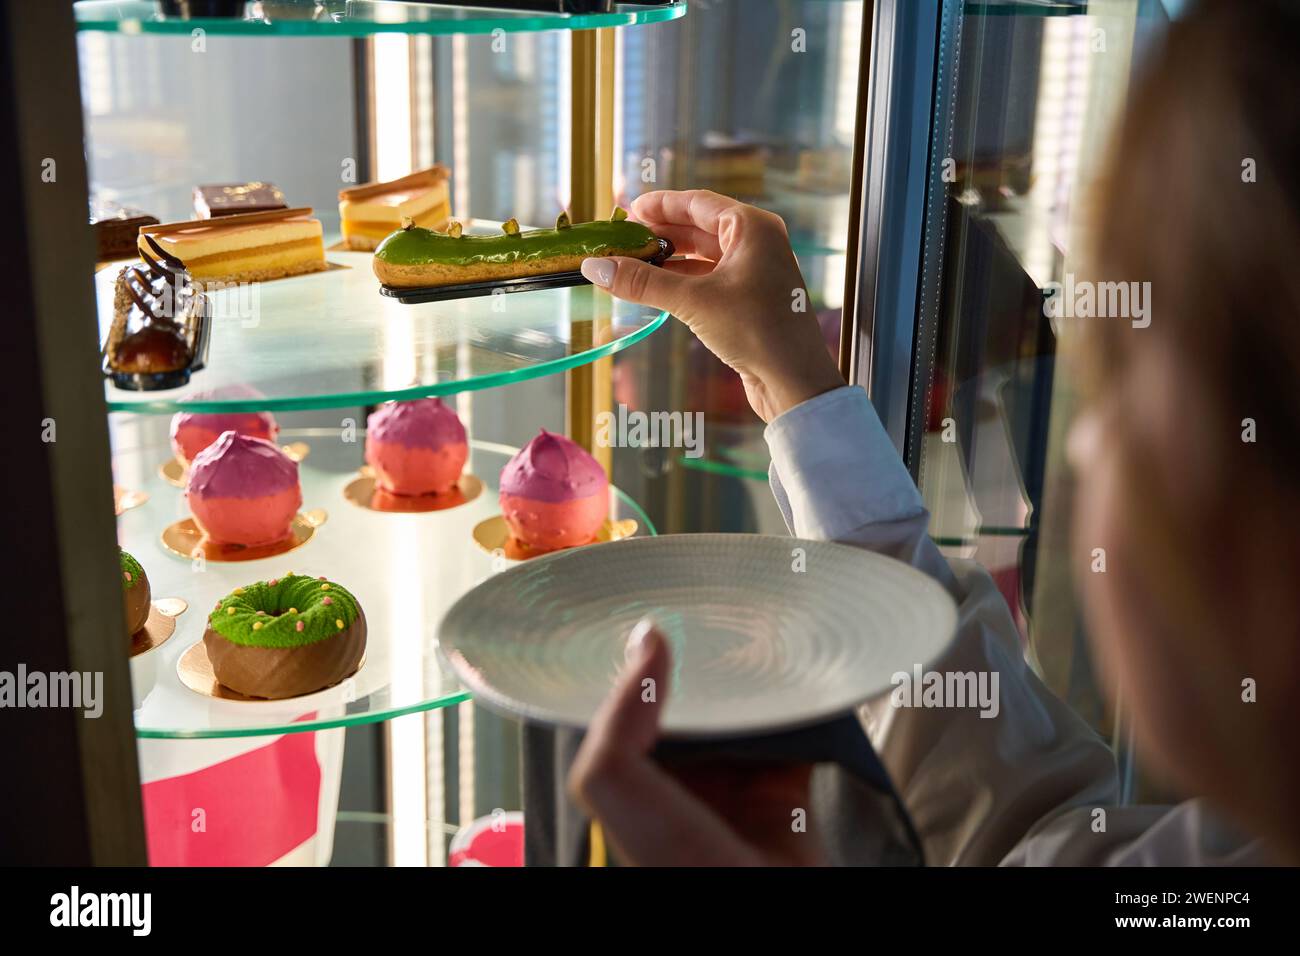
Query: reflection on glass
1039, 89
756, 100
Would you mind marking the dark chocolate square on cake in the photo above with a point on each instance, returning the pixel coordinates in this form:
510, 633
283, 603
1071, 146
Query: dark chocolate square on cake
116, 228
228, 199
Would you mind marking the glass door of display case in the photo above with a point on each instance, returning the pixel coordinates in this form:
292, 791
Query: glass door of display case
1014, 102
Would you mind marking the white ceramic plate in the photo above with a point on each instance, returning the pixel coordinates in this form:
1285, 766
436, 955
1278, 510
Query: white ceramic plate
757, 645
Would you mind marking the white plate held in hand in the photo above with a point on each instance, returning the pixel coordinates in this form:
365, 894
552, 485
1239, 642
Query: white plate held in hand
767, 633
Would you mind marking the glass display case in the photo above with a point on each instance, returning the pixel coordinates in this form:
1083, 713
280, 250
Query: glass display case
170, 103
533, 113
929, 158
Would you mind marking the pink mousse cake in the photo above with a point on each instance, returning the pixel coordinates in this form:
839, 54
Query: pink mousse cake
192, 432
417, 447
244, 490
553, 494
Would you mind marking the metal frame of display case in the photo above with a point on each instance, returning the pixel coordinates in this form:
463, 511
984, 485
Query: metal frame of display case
898, 89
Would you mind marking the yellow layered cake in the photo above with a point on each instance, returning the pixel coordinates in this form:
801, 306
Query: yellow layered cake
372, 212
243, 248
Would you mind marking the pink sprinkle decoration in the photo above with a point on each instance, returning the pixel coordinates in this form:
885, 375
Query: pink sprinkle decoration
298, 626
273, 582
127, 575
321, 578
328, 600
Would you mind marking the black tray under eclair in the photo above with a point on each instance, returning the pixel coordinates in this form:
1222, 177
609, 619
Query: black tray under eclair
198, 332
415, 295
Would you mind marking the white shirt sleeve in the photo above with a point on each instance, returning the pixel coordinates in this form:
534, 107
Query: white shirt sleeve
1033, 784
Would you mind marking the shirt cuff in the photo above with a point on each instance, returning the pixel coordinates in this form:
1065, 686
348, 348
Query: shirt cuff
834, 468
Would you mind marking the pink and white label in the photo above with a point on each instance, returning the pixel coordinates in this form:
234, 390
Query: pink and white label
250, 810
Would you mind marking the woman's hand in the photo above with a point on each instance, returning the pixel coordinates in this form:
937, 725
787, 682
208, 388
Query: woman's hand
740, 292
702, 814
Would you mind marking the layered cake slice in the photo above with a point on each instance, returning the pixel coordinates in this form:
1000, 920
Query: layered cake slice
371, 212
243, 248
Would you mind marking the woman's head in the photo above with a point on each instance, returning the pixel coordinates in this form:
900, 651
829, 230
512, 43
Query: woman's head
1188, 452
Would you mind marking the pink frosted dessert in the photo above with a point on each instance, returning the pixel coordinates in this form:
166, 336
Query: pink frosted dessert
553, 494
417, 447
244, 490
192, 432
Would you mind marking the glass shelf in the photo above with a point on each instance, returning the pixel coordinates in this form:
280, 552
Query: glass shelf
1027, 228
719, 466
330, 340
1026, 8
406, 570
359, 18
364, 830
983, 496
737, 450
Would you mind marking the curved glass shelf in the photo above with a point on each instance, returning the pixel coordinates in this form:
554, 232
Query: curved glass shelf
725, 468
736, 450
370, 829
981, 502
330, 340
1026, 8
359, 18
406, 569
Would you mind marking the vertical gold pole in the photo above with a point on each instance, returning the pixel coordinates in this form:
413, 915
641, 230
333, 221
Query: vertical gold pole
597, 855
589, 388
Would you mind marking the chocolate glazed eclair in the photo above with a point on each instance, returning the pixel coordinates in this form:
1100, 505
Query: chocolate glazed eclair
413, 257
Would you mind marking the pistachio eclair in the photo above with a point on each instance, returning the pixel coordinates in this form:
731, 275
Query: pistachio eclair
414, 257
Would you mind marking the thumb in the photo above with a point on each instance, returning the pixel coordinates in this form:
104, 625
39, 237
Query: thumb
630, 715
626, 725
635, 281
